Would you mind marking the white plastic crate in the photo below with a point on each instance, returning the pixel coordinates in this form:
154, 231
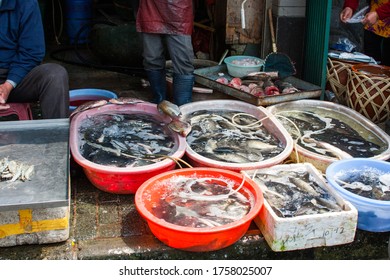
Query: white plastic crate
306, 231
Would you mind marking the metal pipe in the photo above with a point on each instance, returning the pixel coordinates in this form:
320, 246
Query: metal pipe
243, 15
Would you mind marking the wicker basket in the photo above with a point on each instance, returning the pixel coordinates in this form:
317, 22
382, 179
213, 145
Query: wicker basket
337, 78
368, 91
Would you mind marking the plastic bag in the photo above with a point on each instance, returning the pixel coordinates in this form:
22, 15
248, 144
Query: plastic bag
359, 16
344, 44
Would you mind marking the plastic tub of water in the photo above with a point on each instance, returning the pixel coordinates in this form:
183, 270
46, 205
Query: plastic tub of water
269, 122
160, 194
241, 65
122, 180
80, 96
373, 214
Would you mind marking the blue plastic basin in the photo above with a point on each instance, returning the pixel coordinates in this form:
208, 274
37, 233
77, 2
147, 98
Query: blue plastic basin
80, 96
373, 215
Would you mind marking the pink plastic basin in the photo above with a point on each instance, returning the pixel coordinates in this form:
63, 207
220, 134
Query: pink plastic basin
122, 180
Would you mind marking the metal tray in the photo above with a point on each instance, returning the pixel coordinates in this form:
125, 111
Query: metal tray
207, 77
44, 144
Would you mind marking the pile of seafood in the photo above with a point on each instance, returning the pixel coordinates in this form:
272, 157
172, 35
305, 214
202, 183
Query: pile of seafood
12, 170
231, 136
259, 84
370, 182
293, 193
202, 202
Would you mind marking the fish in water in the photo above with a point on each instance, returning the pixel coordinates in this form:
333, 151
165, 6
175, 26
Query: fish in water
368, 182
231, 136
202, 202
294, 192
125, 139
331, 134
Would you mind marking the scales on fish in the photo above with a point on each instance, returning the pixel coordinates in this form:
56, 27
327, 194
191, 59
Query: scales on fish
202, 202
231, 136
173, 111
11, 170
125, 140
294, 193
368, 182
329, 136
99, 103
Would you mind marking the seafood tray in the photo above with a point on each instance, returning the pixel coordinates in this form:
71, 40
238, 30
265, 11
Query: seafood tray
310, 228
207, 77
36, 209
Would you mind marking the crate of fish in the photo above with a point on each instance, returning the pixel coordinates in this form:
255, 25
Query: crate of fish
34, 185
234, 135
301, 210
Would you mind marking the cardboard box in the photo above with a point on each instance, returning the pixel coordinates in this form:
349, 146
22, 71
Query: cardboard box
306, 231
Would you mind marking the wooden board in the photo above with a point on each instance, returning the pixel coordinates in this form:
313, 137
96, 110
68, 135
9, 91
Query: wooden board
254, 22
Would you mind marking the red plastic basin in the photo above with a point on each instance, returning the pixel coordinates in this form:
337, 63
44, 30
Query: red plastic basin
121, 180
190, 238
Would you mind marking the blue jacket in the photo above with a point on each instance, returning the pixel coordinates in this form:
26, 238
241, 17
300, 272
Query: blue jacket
22, 40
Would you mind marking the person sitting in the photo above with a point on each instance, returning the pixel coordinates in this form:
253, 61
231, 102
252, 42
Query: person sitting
23, 76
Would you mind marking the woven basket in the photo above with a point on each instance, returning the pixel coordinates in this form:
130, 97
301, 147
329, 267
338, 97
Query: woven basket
337, 78
368, 91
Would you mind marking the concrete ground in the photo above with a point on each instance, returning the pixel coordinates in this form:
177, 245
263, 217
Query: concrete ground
107, 226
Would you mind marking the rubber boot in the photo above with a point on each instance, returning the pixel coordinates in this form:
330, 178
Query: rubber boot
158, 84
182, 89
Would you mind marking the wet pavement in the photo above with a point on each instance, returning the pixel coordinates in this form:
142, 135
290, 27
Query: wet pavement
108, 226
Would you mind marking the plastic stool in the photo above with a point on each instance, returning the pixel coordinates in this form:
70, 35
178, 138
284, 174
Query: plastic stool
22, 110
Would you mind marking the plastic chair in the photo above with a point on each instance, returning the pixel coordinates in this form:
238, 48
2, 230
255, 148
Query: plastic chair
22, 110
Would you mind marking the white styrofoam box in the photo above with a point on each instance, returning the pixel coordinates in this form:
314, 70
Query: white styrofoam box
306, 231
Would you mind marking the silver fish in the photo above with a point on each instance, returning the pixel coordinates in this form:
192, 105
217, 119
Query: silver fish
88, 105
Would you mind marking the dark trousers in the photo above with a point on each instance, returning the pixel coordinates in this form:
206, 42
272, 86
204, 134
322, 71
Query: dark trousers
47, 83
377, 47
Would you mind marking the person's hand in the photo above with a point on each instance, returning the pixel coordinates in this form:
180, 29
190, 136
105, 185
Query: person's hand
346, 14
371, 18
5, 90
4, 107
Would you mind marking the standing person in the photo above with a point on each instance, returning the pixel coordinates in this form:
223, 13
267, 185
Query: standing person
23, 79
167, 22
377, 28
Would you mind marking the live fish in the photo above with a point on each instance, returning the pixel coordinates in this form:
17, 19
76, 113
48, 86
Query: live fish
294, 193
124, 140
203, 202
326, 133
231, 136
173, 111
